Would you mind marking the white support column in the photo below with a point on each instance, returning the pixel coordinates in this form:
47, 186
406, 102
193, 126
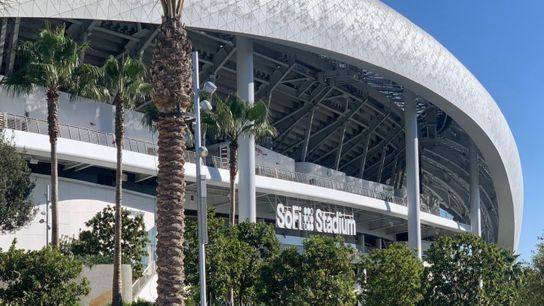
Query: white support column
475, 213
412, 172
246, 150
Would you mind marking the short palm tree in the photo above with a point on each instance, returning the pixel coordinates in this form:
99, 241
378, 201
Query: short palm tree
232, 119
124, 80
171, 70
52, 61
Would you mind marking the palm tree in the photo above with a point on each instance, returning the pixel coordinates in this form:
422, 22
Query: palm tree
52, 61
231, 119
124, 80
172, 85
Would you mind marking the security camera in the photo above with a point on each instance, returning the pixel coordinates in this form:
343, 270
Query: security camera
209, 87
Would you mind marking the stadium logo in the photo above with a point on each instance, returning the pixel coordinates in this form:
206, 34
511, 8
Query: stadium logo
307, 219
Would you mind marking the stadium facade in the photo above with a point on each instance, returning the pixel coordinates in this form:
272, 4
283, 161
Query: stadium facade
383, 134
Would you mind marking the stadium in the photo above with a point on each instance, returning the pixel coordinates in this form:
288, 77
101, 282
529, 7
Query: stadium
383, 135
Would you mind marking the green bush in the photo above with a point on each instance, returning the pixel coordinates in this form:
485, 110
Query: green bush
16, 207
391, 276
322, 275
465, 270
95, 246
44, 277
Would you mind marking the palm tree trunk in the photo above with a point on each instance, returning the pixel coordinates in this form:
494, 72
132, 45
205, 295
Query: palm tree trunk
233, 148
170, 211
171, 78
53, 129
117, 299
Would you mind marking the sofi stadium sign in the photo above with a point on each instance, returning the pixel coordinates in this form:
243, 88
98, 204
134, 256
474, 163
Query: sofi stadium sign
317, 220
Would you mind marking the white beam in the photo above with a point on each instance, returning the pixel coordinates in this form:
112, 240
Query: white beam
412, 171
246, 162
475, 211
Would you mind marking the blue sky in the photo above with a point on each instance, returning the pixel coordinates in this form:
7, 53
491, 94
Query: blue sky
502, 43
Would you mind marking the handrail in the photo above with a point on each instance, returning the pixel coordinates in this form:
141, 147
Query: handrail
39, 126
148, 273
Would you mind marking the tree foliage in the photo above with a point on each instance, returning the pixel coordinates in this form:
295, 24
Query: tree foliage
322, 275
464, 270
232, 119
44, 277
98, 240
532, 293
234, 257
16, 207
125, 78
234, 116
53, 61
391, 276
281, 282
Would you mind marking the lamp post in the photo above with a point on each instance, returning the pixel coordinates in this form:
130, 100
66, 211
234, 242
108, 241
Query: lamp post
201, 151
46, 214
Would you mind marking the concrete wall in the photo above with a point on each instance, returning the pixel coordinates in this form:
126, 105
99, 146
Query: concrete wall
81, 112
100, 281
79, 201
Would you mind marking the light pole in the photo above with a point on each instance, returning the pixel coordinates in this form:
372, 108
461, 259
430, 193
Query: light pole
46, 214
201, 151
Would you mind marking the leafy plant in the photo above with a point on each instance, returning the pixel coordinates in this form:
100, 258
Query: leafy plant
97, 243
16, 207
390, 276
322, 275
234, 257
532, 289
124, 80
465, 270
44, 277
233, 119
52, 60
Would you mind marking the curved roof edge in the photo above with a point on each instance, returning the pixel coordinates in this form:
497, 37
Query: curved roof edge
366, 33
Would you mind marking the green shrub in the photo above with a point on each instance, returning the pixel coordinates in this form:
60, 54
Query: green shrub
391, 276
44, 277
16, 207
95, 246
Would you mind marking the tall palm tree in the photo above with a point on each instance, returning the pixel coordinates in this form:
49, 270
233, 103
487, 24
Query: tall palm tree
52, 61
124, 80
172, 85
231, 119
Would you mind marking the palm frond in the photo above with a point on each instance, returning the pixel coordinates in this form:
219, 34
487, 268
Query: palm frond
126, 77
150, 117
233, 117
48, 61
86, 82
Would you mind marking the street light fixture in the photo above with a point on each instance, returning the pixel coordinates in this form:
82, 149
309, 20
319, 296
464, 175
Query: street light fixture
201, 151
209, 87
206, 106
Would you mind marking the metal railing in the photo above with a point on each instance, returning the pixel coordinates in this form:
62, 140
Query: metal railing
148, 273
39, 126
327, 183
